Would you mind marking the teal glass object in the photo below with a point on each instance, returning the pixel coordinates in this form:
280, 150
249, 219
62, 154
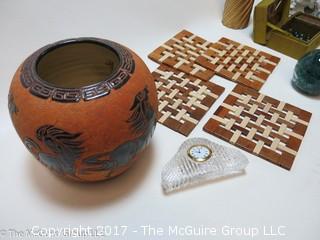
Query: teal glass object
306, 78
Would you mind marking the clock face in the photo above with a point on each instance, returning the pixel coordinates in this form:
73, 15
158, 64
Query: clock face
199, 153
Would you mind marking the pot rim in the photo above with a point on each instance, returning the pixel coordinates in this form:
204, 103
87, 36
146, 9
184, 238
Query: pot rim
37, 86
70, 41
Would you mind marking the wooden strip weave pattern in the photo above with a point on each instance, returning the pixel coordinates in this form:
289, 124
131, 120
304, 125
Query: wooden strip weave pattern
183, 99
181, 51
239, 63
260, 125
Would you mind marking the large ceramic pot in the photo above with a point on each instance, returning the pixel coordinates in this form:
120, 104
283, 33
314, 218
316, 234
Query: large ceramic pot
84, 107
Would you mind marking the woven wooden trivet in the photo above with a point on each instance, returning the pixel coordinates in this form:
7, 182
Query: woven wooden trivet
180, 53
183, 99
260, 125
239, 63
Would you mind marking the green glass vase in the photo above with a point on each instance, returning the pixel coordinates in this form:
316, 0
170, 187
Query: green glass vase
306, 78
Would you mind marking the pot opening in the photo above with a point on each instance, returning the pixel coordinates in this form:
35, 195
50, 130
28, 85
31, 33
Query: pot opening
77, 64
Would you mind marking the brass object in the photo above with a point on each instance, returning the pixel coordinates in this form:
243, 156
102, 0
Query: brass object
237, 13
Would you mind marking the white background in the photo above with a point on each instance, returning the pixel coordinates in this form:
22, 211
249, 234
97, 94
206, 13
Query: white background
265, 195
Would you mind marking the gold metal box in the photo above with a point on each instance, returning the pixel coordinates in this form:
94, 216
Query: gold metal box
293, 36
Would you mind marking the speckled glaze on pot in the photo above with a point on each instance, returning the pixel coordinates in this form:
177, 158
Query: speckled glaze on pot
86, 132
306, 77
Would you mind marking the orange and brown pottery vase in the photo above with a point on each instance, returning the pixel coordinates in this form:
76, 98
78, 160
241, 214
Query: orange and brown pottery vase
84, 107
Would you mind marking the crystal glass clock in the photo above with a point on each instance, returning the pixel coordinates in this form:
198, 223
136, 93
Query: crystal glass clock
199, 160
199, 153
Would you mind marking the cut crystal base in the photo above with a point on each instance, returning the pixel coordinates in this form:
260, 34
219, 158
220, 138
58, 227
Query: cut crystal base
183, 171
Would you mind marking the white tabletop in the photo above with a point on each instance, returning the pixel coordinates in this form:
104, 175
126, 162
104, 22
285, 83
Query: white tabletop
266, 195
